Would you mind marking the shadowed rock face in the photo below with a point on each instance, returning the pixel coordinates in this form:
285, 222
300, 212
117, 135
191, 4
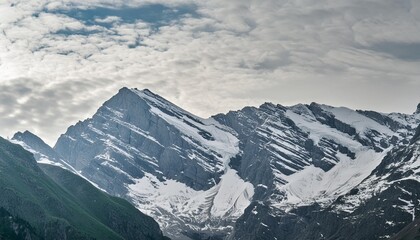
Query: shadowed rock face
416, 136
410, 232
221, 176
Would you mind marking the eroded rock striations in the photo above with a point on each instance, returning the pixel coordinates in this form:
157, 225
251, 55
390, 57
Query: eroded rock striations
272, 172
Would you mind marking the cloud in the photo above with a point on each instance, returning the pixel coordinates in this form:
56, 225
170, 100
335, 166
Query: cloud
32, 105
108, 19
59, 60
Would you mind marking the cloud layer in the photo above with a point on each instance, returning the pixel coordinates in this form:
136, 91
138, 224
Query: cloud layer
59, 60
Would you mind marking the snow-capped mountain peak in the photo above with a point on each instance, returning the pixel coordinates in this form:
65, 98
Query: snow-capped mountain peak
138, 144
202, 178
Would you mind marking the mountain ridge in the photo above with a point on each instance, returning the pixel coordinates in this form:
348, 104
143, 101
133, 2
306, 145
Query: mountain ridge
172, 164
44, 209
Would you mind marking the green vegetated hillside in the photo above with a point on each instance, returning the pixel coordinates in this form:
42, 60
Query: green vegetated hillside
62, 205
13, 228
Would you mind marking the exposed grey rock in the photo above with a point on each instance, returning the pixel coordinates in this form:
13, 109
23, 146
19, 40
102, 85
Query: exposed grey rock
375, 213
138, 135
416, 136
137, 141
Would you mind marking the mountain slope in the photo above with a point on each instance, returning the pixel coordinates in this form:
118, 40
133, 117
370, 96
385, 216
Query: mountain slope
138, 126
410, 232
377, 208
267, 172
43, 153
55, 212
311, 153
14, 228
116, 213
171, 164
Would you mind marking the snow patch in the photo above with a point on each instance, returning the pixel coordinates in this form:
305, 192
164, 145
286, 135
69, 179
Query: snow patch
361, 123
226, 200
317, 131
223, 142
312, 184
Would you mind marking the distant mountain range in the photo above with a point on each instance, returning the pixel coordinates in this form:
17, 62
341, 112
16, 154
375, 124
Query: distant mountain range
272, 172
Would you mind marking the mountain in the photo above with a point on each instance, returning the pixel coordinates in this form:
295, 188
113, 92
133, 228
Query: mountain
14, 228
377, 208
57, 204
270, 172
43, 153
344, 147
171, 164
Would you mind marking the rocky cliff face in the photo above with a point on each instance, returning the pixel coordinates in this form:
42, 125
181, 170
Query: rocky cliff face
137, 132
171, 164
257, 173
297, 153
377, 208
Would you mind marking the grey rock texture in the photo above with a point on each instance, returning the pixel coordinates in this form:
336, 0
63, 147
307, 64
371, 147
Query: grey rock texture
139, 135
378, 208
288, 147
416, 136
136, 141
309, 166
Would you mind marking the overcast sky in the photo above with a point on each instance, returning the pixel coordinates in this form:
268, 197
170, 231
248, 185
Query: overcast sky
60, 60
